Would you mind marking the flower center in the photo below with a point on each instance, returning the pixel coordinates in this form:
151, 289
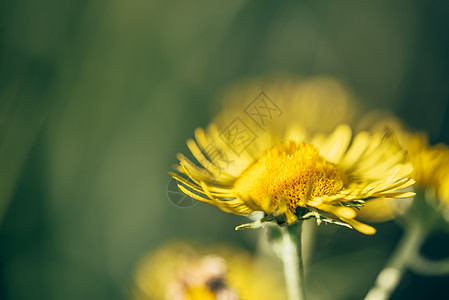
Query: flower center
203, 279
291, 171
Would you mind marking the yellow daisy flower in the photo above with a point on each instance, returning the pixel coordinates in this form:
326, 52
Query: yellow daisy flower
178, 271
419, 217
286, 172
310, 100
430, 163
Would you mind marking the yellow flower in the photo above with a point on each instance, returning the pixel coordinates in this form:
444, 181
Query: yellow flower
178, 271
283, 170
310, 100
430, 163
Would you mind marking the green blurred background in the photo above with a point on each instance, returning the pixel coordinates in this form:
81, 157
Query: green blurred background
97, 97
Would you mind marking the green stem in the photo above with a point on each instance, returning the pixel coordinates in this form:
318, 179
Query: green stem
429, 267
389, 278
292, 258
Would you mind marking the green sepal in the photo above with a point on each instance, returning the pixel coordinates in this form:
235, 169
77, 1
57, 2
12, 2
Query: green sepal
256, 224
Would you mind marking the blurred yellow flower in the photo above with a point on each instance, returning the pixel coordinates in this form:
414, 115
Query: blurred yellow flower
262, 159
420, 215
319, 103
178, 271
431, 163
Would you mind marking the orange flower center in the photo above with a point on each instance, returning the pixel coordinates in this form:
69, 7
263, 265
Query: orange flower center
290, 171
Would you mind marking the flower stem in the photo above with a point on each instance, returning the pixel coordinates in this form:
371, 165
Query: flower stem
292, 259
389, 278
428, 267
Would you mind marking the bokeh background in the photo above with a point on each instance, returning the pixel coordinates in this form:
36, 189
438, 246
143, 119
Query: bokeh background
97, 97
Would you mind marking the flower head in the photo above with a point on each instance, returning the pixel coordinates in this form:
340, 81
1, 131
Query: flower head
430, 163
287, 172
178, 271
